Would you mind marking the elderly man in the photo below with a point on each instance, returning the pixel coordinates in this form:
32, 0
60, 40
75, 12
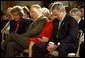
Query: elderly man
76, 13
16, 41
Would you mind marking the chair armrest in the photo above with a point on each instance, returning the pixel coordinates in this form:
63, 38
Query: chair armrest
71, 54
54, 54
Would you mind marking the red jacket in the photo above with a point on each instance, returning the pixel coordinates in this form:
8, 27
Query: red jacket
47, 31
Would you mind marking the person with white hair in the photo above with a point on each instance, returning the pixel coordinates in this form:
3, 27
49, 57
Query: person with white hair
76, 14
46, 12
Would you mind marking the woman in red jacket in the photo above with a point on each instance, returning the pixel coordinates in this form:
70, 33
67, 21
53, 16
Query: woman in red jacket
44, 36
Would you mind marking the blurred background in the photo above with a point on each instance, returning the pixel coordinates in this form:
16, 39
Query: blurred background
68, 4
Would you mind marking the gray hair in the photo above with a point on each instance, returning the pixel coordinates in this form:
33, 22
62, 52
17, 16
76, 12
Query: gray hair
76, 11
38, 7
57, 6
45, 10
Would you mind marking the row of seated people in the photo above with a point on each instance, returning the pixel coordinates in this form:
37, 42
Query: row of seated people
42, 35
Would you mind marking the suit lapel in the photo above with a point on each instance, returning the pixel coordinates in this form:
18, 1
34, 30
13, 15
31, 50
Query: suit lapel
63, 22
55, 28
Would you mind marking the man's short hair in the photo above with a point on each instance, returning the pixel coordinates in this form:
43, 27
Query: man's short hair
76, 11
37, 7
57, 6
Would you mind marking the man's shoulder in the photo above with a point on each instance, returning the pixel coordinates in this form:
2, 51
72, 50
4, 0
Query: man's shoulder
69, 18
43, 18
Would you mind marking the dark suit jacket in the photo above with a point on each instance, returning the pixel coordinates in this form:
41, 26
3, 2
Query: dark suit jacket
81, 25
23, 24
68, 30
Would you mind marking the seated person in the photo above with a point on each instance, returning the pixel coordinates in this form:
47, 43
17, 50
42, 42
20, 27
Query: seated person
65, 31
18, 24
42, 37
46, 12
76, 14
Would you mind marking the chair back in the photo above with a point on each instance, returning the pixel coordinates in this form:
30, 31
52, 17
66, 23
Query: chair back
80, 40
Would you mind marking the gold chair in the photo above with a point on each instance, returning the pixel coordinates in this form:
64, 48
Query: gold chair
80, 40
5, 32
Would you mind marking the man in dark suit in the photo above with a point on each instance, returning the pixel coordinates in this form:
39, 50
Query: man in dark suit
64, 38
76, 14
15, 41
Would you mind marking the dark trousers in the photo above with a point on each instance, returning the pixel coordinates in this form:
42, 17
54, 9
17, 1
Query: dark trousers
12, 42
22, 40
39, 50
12, 48
66, 48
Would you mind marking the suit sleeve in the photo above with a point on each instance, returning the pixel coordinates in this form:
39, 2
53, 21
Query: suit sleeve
35, 31
73, 31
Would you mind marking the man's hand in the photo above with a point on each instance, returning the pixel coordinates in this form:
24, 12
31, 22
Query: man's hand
51, 47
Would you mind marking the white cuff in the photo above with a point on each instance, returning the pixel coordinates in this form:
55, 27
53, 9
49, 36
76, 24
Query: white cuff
58, 43
51, 43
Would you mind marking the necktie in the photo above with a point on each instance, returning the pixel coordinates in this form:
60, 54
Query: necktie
57, 35
59, 25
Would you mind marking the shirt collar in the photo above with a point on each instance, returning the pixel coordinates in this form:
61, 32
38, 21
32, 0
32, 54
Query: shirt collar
63, 17
79, 20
